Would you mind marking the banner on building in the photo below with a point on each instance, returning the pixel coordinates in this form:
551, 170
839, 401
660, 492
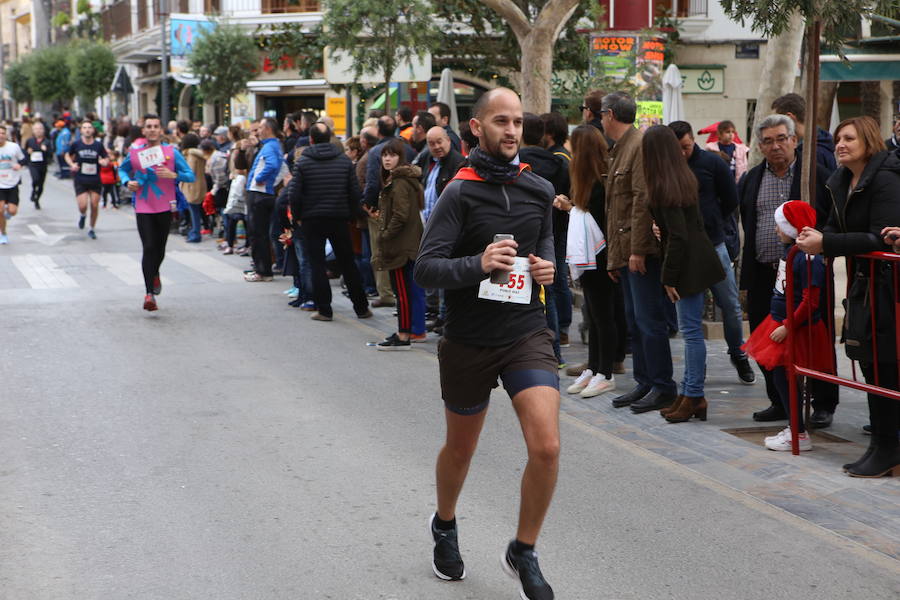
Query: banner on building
636, 61
184, 30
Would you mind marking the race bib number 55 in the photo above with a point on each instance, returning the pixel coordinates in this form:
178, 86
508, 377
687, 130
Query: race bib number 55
516, 290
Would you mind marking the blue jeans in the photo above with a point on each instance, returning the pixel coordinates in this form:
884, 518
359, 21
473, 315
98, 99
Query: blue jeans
561, 293
303, 281
646, 316
725, 294
552, 314
690, 324
364, 263
196, 217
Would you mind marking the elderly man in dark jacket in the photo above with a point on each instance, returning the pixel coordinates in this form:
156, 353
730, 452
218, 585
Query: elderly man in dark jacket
324, 196
718, 203
439, 162
761, 190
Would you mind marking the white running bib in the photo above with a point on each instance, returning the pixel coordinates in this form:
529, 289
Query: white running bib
37, 156
88, 168
150, 157
517, 290
6, 176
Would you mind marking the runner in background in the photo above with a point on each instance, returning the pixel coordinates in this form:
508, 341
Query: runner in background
150, 170
85, 158
40, 153
11, 158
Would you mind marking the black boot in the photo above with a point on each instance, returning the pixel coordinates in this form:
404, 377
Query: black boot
884, 460
863, 458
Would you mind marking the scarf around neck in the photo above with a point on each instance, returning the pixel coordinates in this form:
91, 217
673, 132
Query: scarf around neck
491, 168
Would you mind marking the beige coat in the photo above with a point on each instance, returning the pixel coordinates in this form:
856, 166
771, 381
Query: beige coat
628, 218
195, 191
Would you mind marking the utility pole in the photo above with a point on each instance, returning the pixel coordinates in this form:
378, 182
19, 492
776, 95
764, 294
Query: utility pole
164, 64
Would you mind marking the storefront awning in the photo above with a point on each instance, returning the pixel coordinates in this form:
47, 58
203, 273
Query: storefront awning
862, 67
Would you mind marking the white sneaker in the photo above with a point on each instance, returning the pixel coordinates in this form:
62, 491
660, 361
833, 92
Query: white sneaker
598, 385
3, 239
780, 435
784, 444
581, 382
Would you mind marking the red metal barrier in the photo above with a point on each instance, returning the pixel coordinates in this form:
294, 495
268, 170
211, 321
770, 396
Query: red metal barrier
794, 370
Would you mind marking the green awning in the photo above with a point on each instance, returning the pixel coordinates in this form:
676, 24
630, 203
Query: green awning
863, 70
378, 103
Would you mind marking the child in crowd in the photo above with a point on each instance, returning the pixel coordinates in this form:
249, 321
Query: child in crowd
734, 153
813, 348
109, 179
399, 234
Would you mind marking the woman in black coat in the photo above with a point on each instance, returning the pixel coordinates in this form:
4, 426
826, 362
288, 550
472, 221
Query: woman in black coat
864, 196
690, 263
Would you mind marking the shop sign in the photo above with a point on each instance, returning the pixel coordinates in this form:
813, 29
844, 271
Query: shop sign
703, 80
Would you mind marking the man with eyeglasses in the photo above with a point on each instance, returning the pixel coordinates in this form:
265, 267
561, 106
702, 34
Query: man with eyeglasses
764, 188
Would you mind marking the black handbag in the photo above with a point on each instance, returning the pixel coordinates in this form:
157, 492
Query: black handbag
859, 304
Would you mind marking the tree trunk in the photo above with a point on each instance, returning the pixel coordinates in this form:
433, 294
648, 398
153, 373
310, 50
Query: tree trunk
870, 97
827, 92
536, 41
778, 74
536, 67
808, 176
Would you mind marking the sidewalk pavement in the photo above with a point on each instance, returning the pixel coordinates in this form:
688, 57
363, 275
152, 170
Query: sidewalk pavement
728, 447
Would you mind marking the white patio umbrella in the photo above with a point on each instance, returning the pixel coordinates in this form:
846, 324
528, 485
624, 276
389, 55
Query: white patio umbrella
445, 94
673, 106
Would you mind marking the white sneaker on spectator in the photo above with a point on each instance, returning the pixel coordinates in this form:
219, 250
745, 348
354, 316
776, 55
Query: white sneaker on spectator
784, 444
780, 435
599, 384
583, 380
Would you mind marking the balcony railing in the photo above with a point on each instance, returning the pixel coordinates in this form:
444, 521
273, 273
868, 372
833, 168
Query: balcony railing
115, 20
691, 8
289, 6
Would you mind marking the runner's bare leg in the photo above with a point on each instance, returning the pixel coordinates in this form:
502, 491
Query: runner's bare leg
538, 410
454, 459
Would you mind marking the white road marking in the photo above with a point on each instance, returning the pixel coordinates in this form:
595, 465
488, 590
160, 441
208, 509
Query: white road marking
124, 267
207, 265
42, 273
42, 236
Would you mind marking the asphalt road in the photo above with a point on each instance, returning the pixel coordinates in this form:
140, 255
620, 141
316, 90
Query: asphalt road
227, 447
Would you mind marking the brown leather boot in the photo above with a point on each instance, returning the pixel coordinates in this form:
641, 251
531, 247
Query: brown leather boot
670, 409
690, 407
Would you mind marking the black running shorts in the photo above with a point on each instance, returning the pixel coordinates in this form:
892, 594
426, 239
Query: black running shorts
10, 195
469, 373
81, 188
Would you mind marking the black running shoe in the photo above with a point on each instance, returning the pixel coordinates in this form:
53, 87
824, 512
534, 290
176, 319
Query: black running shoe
524, 567
81, 222
447, 563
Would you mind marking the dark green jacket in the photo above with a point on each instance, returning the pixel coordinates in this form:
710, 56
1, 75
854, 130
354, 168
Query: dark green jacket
400, 223
690, 263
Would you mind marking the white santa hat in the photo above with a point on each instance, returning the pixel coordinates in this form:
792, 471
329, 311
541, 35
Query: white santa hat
792, 216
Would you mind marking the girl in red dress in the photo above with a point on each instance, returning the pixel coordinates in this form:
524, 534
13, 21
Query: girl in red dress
813, 347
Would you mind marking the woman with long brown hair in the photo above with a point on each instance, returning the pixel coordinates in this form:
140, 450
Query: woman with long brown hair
606, 343
690, 263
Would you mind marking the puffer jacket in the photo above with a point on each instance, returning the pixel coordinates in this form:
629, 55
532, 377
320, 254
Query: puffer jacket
324, 185
857, 217
629, 222
196, 190
399, 224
